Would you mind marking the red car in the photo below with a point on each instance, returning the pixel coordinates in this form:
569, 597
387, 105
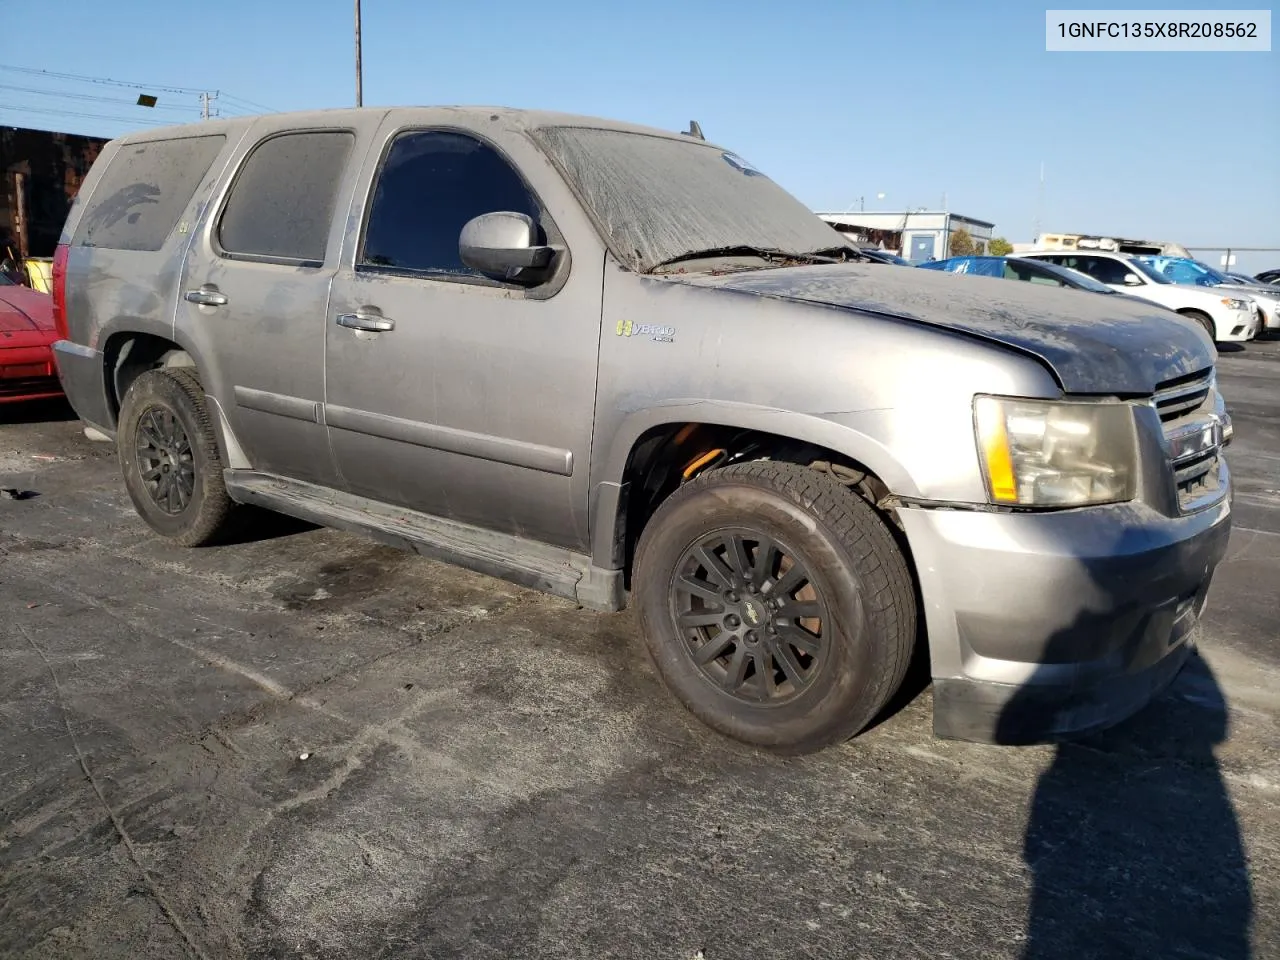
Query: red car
26, 340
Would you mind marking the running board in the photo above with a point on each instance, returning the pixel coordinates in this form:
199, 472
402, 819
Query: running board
528, 563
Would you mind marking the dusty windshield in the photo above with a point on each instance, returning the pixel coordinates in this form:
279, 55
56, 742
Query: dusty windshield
656, 199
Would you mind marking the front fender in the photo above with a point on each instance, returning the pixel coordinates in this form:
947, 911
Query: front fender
833, 431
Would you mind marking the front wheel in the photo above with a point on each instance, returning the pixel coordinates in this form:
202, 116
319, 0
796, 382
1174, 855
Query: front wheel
1204, 320
170, 459
775, 604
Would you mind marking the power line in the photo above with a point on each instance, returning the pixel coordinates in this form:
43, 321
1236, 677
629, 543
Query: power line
249, 104
94, 98
106, 80
241, 102
87, 115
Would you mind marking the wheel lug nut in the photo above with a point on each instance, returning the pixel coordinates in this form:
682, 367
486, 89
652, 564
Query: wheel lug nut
731, 621
751, 636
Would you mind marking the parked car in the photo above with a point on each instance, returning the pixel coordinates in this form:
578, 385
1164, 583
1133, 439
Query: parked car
623, 365
1268, 276
1014, 268
1192, 272
883, 256
26, 338
1225, 317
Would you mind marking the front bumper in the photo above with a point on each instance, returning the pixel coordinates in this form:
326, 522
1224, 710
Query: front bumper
1270, 311
1234, 326
1047, 625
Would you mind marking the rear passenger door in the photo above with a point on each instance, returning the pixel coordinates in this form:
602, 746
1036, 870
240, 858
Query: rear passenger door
255, 290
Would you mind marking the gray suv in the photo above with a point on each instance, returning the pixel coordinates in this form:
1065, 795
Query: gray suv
615, 363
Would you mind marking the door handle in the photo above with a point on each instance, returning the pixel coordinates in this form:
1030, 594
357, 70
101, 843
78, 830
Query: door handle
360, 320
206, 296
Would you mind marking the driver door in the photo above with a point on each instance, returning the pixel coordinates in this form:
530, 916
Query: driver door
447, 392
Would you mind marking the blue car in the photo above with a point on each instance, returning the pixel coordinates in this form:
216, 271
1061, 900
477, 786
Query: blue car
1014, 268
883, 256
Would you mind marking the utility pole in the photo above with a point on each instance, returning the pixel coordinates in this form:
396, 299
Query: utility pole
1039, 203
359, 70
205, 99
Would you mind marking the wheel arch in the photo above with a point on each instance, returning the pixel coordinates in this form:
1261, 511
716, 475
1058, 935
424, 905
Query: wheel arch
1202, 317
627, 491
129, 350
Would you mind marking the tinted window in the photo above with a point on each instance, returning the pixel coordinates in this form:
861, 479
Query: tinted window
431, 184
1029, 273
282, 202
1103, 269
143, 192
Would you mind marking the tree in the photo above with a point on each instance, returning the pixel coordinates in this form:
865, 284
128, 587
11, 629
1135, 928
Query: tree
961, 243
999, 247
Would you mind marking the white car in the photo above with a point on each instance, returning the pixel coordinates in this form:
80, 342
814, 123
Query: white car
1188, 271
1224, 314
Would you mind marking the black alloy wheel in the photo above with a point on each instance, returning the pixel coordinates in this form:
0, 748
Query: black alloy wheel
775, 603
164, 460
751, 616
170, 458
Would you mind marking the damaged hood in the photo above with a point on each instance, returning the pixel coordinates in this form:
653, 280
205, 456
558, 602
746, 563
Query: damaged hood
1092, 343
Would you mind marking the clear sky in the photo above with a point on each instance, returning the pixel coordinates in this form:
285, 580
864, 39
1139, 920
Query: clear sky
835, 99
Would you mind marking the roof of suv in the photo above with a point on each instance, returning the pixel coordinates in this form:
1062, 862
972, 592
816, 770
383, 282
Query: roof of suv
510, 118
1109, 254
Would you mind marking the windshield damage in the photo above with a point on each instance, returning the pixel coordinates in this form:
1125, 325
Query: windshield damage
722, 260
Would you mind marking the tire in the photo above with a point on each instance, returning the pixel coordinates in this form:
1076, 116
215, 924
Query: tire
1204, 320
794, 697
164, 413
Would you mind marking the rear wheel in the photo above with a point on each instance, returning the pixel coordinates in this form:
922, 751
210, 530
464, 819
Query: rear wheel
1204, 320
170, 459
775, 604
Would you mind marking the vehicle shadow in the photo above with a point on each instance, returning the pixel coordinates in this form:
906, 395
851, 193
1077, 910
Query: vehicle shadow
1231, 348
1132, 841
52, 410
254, 525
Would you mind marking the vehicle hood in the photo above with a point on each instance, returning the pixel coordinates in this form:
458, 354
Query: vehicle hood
25, 311
1260, 291
1093, 344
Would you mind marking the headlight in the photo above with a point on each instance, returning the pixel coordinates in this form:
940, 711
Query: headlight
1235, 304
1047, 453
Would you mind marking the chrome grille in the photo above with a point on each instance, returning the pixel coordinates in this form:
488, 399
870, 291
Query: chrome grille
1193, 437
1177, 399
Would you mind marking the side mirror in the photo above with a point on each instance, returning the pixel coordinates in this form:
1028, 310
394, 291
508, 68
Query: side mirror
1132, 280
504, 246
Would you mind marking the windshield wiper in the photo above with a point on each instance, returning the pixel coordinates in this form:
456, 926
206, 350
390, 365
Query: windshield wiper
776, 257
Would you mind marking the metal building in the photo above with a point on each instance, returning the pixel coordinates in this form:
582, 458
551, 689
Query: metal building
917, 235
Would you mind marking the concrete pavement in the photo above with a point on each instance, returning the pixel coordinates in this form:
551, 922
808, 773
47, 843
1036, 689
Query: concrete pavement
306, 745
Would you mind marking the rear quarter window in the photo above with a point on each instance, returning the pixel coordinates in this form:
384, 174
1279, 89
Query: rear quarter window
142, 194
